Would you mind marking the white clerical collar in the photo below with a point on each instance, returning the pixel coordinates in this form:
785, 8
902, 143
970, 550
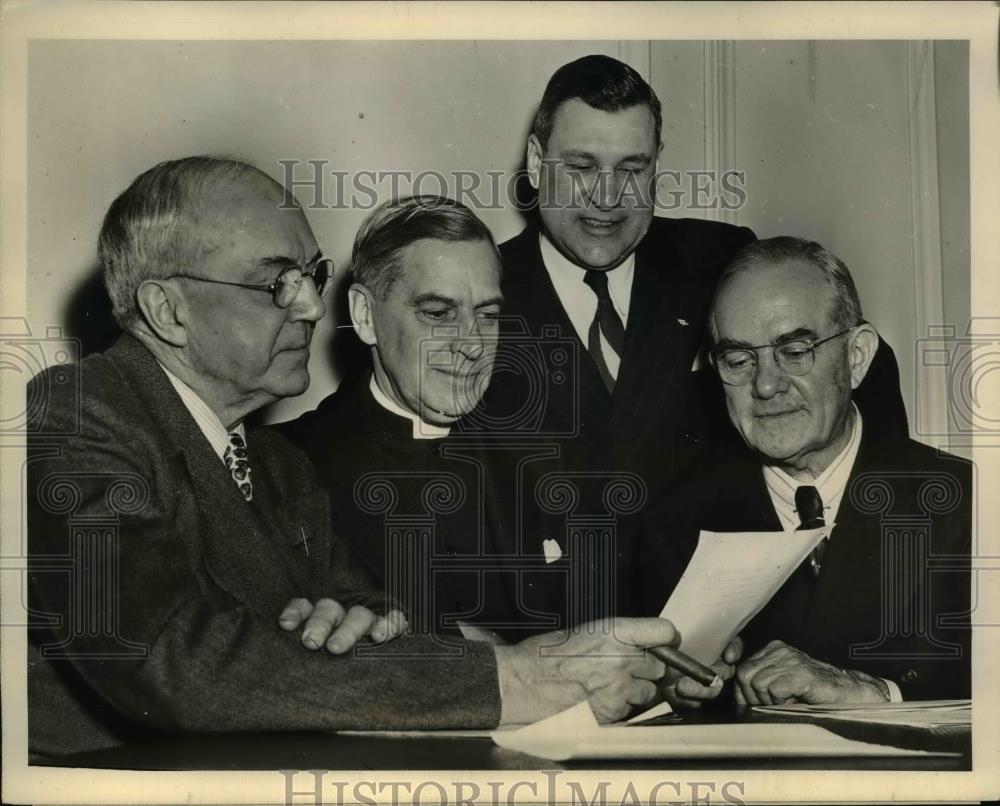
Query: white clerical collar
208, 422
831, 483
421, 429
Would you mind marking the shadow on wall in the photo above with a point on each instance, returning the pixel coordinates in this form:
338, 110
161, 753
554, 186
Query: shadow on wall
88, 315
348, 356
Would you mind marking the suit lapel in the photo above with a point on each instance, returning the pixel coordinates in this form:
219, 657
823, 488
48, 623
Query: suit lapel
298, 522
748, 503
530, 293
661, 341
241, 543
851, 553
240, 547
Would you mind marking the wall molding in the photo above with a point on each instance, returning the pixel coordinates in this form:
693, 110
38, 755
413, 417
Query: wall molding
636, 54
931, 392
719, 108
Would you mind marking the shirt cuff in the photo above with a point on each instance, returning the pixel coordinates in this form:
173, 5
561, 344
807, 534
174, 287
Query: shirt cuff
895, 695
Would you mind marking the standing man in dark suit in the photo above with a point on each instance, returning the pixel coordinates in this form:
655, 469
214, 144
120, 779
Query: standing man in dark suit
167, 540
880, 609
629, 291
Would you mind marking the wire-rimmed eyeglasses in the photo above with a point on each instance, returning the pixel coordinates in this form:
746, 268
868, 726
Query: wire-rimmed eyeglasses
736, 365
285, 288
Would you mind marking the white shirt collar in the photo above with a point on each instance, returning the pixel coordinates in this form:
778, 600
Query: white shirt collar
208, 422
831, 483
576, 296
421, 429
579, 300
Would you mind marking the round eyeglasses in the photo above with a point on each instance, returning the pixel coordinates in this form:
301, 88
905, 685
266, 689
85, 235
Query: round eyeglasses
736, 366
285, 288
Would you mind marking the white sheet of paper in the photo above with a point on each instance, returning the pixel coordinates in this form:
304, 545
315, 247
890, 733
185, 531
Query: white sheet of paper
914, 713
730, 578
575, 733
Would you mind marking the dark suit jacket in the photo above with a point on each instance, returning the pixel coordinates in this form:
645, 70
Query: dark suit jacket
885, 601
444, 543
484, 572
661, 415
155, 588
653, 423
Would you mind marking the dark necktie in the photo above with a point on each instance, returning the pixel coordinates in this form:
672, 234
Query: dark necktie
606, 321
809, 506
236, 460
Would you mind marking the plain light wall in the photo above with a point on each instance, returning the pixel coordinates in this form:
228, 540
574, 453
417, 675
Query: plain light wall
951, 70
820, 132
822, 135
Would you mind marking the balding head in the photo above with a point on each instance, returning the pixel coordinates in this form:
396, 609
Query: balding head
150, 229
845, 305
194, 252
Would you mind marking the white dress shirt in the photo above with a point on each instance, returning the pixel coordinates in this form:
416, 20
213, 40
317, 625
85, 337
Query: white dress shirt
831, 484
579, 300
421, 429
209, 423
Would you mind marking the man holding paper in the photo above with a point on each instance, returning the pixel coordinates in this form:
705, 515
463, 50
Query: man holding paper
879, 609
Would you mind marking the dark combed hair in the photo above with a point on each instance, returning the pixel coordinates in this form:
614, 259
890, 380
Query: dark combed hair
398, 223
146, 232
600, 82
784, 249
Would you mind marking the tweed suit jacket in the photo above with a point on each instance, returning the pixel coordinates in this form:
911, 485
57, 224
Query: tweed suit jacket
155, 588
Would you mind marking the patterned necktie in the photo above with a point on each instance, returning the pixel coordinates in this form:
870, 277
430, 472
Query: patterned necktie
809, 505
236, 460
606, 322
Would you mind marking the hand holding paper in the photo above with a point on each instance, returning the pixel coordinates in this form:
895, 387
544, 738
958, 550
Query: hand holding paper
731, 576
728, 580
603, 662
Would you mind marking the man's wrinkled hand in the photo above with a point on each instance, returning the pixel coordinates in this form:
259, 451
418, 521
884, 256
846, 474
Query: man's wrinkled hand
326, 623
601, 662
779, 674
684, 693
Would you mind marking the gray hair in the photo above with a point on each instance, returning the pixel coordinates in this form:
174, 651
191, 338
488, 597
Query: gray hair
400, 222
846, 311
146, 231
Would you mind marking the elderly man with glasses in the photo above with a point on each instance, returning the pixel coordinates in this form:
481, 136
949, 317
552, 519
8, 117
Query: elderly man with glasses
168, 541
879, 611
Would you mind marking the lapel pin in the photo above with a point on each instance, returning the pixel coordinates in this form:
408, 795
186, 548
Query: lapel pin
682, 322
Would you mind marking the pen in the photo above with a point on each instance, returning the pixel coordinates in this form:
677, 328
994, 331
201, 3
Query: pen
676, 659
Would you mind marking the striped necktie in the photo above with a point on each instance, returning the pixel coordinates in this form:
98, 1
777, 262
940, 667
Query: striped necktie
606, 322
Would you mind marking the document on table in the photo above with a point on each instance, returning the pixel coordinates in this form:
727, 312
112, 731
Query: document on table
730, 578
928, 714
576, 734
